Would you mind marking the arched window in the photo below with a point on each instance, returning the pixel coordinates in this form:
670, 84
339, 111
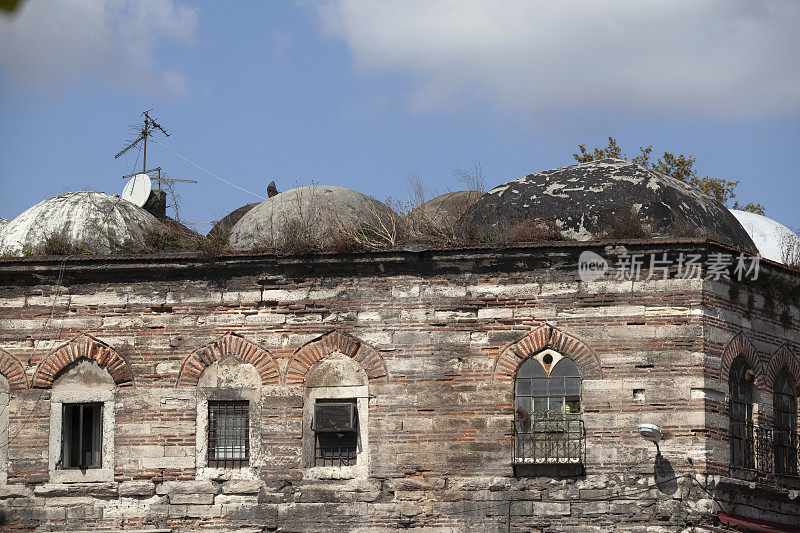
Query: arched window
547, 425
740, 414
784, 404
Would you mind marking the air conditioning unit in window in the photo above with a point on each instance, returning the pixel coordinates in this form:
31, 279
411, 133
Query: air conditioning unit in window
334, 417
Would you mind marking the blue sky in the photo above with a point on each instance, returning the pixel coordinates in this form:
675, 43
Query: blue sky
361, 94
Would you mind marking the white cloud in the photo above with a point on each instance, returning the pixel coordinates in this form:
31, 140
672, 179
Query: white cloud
52, 42
715, 57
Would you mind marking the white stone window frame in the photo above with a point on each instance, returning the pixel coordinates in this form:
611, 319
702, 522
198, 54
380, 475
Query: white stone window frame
77, 475
251, 394
346, 391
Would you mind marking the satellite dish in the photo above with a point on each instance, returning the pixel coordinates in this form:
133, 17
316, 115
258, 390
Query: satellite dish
137, 190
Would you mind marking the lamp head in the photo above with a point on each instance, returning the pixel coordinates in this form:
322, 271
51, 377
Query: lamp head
650, 432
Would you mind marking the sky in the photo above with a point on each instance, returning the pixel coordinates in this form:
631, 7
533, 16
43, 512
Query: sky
364, 93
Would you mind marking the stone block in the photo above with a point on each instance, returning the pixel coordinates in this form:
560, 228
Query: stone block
202, 498
188, 487
15, 491
137, 488
242, 487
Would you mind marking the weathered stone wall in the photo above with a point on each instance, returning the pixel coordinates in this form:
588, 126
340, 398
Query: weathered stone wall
438, 335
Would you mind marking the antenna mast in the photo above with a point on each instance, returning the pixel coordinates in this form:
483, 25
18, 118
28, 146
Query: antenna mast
148, 126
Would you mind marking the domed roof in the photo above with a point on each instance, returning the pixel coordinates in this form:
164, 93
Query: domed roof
228, 221
583, 198
319, 211
95, 220
773, 240
445, 208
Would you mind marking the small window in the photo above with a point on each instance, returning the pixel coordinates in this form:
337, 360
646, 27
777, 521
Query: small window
82, 435
228, 434
740, 414
335, 433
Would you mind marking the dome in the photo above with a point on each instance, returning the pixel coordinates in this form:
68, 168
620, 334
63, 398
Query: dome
773, 240
96, 220
319, 212
585, 200
445, 208
226, 223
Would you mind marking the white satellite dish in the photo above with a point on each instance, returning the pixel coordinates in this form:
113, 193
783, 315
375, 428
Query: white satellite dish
137, 190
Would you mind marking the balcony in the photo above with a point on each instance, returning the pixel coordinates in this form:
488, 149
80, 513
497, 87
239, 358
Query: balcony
549, 443
764, 453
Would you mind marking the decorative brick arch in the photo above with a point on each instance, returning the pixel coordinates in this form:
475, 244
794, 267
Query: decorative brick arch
83, 346
13, 371
367, 356
229, 344
547, 336
783, 358
740, 345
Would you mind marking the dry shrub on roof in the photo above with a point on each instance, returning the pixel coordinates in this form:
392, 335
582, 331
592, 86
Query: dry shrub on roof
624, 224
533, 230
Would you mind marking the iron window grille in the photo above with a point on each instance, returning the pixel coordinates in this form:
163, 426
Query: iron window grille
228, 434
774, 452
547, 420
81, 435
335, 433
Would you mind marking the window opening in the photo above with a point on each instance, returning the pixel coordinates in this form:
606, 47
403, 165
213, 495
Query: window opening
335, 433
228, 434
740, 414
548, 426
785, 428
82, 435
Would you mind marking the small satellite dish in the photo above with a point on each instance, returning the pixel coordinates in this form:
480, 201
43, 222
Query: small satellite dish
137, 190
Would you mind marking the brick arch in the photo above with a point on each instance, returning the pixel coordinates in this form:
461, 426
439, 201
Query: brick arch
229, 344
83, 346
11, 368
547, 336
740, 345
783, 358
367, 356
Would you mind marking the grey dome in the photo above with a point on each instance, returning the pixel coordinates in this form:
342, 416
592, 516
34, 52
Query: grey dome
95, 220
580, 198
445, 208
320, 210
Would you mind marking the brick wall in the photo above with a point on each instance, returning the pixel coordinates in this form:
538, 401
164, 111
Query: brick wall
438, 333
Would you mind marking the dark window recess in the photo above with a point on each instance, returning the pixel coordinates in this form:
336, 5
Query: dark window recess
740, 414
81, 435
228, 434
785, 426
335, 433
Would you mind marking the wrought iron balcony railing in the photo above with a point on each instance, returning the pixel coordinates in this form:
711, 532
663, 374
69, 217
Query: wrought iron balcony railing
549, 438
764, 450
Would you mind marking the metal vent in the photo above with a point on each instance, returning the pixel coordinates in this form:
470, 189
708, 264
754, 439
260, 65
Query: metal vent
334, 417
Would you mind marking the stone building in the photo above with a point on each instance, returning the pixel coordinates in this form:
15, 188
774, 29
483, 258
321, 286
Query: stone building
487, 387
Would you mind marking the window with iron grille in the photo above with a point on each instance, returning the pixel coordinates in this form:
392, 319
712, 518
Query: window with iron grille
547, 420
785, 428
740, 414
228, 434
335, 433
81, 435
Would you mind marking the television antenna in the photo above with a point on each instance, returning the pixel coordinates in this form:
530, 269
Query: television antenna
148, 128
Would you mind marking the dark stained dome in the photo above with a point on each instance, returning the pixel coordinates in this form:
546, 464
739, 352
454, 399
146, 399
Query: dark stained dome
226, 224
581, 199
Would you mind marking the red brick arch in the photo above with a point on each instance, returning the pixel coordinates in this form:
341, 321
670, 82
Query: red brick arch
368, 357
83, 346
229, 344
740, 345
13, 371
783, 358
547, 336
